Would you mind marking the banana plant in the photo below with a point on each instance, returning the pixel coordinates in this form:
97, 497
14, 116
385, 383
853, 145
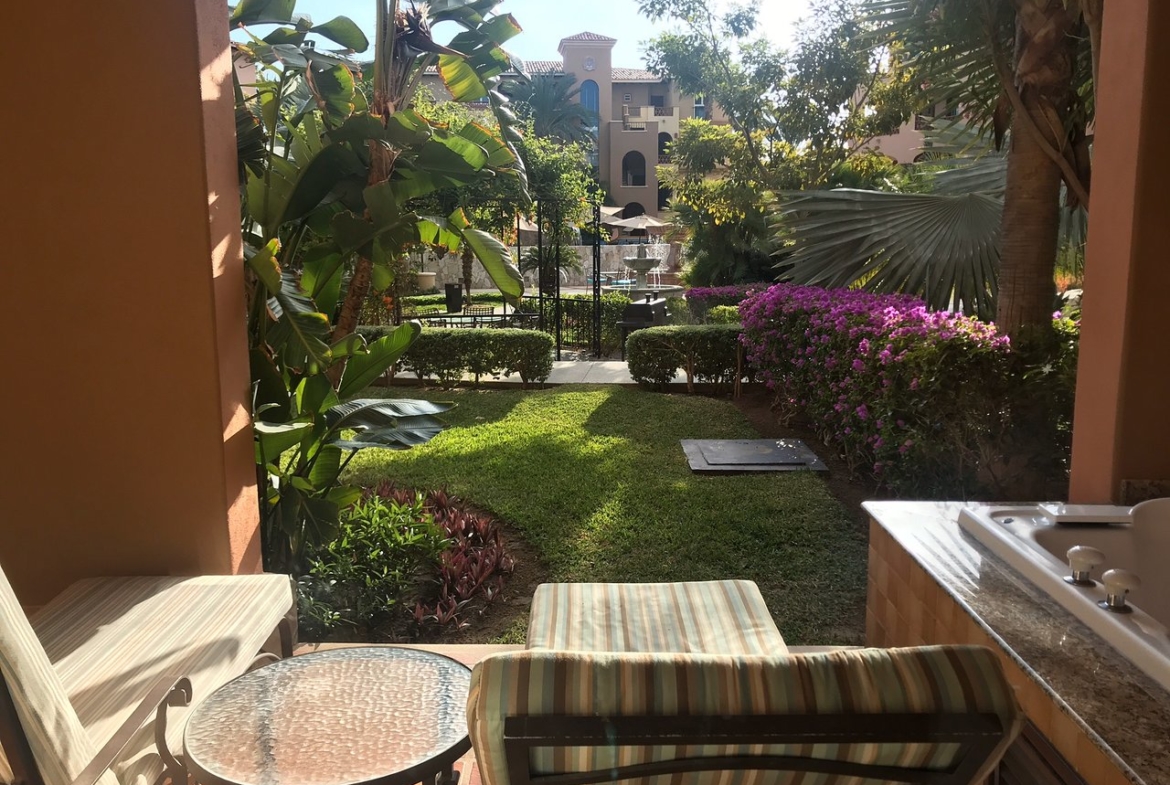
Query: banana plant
333, 192
306, 429
375, 154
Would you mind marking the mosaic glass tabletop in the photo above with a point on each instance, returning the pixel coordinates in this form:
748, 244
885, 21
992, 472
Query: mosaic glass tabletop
337, 717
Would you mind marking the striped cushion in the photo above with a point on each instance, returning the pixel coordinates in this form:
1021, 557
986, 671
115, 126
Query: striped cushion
111, 638
856, 681
702, 617
59, 743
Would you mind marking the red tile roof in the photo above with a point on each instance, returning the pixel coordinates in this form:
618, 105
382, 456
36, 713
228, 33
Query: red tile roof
634, 75
535, 67
589, 37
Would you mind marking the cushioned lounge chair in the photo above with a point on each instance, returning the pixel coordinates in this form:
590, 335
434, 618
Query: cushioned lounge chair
734, 706
86, 683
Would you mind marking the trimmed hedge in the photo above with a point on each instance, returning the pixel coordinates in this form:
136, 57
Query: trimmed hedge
447, 353
707, 353
420, 300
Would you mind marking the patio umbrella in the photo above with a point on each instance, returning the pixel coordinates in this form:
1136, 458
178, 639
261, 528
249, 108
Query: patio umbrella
640, 222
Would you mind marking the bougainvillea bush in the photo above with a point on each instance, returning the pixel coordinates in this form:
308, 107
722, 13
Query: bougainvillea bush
928, 401
701, 299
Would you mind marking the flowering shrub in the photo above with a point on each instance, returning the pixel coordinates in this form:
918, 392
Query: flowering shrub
702, 299
926, 400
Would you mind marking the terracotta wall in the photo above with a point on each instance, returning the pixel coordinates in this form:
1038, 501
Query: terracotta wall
1122, 426
129, 445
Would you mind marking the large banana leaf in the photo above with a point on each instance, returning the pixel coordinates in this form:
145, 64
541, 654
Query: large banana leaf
387, 423
299, 333
943, 247
363, 368
495, 257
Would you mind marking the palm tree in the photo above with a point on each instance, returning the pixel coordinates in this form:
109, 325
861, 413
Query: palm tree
553, 105
1027, 65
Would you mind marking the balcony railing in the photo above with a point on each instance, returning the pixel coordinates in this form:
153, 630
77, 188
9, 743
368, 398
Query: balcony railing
663, 158
635, 118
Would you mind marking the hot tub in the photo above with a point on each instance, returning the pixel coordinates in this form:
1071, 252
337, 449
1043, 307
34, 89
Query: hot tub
1031, 541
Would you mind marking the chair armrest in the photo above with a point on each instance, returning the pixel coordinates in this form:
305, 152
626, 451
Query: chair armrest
167, 690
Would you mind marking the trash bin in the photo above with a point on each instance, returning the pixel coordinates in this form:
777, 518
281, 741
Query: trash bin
454, 297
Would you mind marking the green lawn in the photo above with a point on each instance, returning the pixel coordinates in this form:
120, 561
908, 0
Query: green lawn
594, 478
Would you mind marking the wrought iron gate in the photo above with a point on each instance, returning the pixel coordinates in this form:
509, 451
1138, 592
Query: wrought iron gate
572, 321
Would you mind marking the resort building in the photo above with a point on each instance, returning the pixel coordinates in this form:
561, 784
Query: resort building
638, 117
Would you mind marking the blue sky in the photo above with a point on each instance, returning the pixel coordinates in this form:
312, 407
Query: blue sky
546, 22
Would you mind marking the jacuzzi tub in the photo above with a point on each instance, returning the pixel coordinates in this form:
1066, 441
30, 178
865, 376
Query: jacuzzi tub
1029, 540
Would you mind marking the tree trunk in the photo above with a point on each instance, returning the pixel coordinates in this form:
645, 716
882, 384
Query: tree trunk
468, 259
1028, 234
1044, 60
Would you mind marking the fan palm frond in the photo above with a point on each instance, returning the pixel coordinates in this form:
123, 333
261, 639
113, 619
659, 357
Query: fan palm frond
552, 103
943, 247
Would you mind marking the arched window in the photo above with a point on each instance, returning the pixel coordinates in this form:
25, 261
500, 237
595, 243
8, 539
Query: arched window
590, 96
633, 209
633, 168
664, 140
664, 195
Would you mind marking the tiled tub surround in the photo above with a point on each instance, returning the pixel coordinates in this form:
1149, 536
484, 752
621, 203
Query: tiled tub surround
929, 582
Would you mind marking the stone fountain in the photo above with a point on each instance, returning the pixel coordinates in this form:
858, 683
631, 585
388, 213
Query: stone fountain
642, 264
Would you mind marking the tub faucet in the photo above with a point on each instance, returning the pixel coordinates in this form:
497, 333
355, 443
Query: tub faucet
1118, 583
1081, 560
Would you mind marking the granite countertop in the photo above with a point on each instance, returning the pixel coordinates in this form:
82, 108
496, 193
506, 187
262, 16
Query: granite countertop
1124, 712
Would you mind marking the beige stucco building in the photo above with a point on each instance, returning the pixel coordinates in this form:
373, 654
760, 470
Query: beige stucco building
638, 112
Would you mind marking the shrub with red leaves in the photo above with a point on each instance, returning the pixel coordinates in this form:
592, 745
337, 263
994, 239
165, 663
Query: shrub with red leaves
472, 568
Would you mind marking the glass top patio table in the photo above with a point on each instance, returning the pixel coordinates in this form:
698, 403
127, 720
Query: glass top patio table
387, 716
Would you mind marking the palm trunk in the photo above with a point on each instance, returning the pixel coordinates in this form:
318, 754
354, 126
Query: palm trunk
1031, 222
468, 259
1044, 59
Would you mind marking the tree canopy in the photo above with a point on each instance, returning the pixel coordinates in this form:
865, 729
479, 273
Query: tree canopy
797, 119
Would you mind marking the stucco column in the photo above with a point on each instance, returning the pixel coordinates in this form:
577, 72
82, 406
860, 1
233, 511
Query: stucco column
1122, 424
128, 440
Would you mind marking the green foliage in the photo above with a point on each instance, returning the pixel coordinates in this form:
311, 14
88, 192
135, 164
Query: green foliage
944, 247
707, 353
383, 552
446, 354
472, 566
426, 300
593, 479
344, 177
304, 429
329, 179
551, 105
677, 311
723, 314
797, 119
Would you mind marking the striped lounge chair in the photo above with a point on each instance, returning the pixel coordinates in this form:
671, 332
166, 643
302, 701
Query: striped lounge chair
86, 682
732, 705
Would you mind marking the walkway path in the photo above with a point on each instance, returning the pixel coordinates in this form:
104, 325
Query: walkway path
570, 372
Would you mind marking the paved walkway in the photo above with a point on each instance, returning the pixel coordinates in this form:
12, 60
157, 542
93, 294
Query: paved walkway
569, 372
